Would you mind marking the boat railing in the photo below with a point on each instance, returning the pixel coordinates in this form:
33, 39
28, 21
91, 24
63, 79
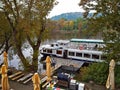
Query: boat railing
84, 47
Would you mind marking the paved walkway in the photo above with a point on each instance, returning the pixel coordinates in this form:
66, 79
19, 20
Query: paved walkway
18, 86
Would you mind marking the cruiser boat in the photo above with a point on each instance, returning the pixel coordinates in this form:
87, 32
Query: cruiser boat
75, 49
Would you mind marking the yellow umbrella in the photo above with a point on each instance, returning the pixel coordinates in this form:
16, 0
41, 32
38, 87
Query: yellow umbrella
5, 59
48, 68
4, 80
36, 81
110, 80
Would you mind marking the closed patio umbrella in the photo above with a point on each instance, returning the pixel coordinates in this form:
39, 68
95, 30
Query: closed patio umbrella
36, 81
5, 59
110, 80
4, 80
48, 68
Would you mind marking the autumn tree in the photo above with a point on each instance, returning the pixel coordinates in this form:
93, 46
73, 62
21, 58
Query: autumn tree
106, 21
61, 23
52, 28
71, 24
27, 20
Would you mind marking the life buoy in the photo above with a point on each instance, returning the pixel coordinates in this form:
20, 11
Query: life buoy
81, 47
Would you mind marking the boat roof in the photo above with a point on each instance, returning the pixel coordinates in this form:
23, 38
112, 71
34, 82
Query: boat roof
63, 41
49, 47
87, 40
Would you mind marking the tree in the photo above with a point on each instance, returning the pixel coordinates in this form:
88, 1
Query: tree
5, 34
106, 21
27, 20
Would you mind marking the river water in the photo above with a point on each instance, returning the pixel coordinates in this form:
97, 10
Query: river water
14, 60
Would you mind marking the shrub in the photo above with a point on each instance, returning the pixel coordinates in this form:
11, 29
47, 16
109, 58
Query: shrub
98, 72
117, 75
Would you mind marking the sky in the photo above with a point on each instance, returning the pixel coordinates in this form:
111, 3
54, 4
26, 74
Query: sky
65, 6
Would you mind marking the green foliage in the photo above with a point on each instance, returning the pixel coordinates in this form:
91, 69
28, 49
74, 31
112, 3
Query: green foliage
112, 40
106, 20
96, 72
5, 33
117, 75
27, 22
70, 25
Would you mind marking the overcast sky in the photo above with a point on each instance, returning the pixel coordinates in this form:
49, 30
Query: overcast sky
65, 6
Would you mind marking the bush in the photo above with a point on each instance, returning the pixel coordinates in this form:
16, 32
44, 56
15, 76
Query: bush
98, 72
117, 75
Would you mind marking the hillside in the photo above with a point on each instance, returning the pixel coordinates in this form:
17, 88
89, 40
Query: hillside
68, 16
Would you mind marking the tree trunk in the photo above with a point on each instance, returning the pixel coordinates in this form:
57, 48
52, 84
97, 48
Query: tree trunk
23, 59
35, 58
19, 51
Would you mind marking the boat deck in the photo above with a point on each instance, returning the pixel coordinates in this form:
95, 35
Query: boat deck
68, 62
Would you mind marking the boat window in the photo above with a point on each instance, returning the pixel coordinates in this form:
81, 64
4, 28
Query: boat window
61, 43
59, 52
44, 50
71, 53
79, 54
95, 56
86, 55
52, 45
49, 51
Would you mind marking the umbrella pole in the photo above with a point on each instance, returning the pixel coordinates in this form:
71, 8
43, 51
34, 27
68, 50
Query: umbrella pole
48, 68
4, 80
5, 59
110, 81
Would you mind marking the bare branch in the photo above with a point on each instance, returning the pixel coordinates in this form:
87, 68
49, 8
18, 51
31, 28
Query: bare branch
16, 6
